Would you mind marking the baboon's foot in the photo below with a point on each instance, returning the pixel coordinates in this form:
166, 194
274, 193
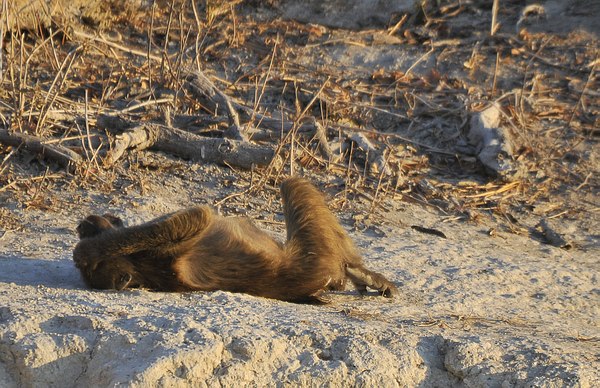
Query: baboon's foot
362, 279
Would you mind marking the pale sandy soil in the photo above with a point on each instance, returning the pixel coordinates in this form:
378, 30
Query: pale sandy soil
474, 310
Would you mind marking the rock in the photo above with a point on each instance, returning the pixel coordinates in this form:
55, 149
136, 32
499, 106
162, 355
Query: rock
494, 144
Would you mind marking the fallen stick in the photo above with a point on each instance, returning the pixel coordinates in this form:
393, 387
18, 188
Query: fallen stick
186, 145
206, 91
59, 154
310, 128
495, 145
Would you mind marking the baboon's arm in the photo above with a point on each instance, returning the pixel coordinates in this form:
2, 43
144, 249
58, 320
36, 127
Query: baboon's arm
363, 278
162, 233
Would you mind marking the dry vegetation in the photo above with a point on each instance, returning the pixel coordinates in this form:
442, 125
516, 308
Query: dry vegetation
68, 91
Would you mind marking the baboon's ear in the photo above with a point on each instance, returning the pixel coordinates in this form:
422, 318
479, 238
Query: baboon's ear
122, 281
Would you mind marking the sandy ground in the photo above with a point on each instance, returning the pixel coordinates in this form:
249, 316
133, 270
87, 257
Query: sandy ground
475, 310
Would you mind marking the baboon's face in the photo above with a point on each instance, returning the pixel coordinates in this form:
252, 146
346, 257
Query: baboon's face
94, 225
102, 273
109, 274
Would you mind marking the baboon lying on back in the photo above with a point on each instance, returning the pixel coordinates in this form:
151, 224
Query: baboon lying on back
196, 249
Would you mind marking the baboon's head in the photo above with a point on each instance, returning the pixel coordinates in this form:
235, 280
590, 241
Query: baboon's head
94, 225
108, 274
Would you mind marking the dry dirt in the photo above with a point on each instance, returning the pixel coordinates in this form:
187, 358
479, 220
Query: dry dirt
486, 299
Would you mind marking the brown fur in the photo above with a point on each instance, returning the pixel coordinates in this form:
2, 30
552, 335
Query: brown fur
196, 249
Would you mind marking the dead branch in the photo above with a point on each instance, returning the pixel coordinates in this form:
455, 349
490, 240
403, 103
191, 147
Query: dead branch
494, 143
59, 154
320, 135
207, 92
186, 145
273, 128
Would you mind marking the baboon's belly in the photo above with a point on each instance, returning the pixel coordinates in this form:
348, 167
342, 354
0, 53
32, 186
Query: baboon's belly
233, 255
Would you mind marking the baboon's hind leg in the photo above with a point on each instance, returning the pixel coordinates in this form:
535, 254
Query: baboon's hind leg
320, 239
363, 278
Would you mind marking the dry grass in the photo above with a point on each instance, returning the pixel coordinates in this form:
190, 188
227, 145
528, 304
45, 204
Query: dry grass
55, 83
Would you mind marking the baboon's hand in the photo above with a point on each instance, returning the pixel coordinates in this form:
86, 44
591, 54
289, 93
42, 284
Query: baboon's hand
93, 225
121, 281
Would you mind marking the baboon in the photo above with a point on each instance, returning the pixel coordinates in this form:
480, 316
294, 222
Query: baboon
196, 249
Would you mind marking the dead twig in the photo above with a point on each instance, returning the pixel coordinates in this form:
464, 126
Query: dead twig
117, 46
205, 90
59, 154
